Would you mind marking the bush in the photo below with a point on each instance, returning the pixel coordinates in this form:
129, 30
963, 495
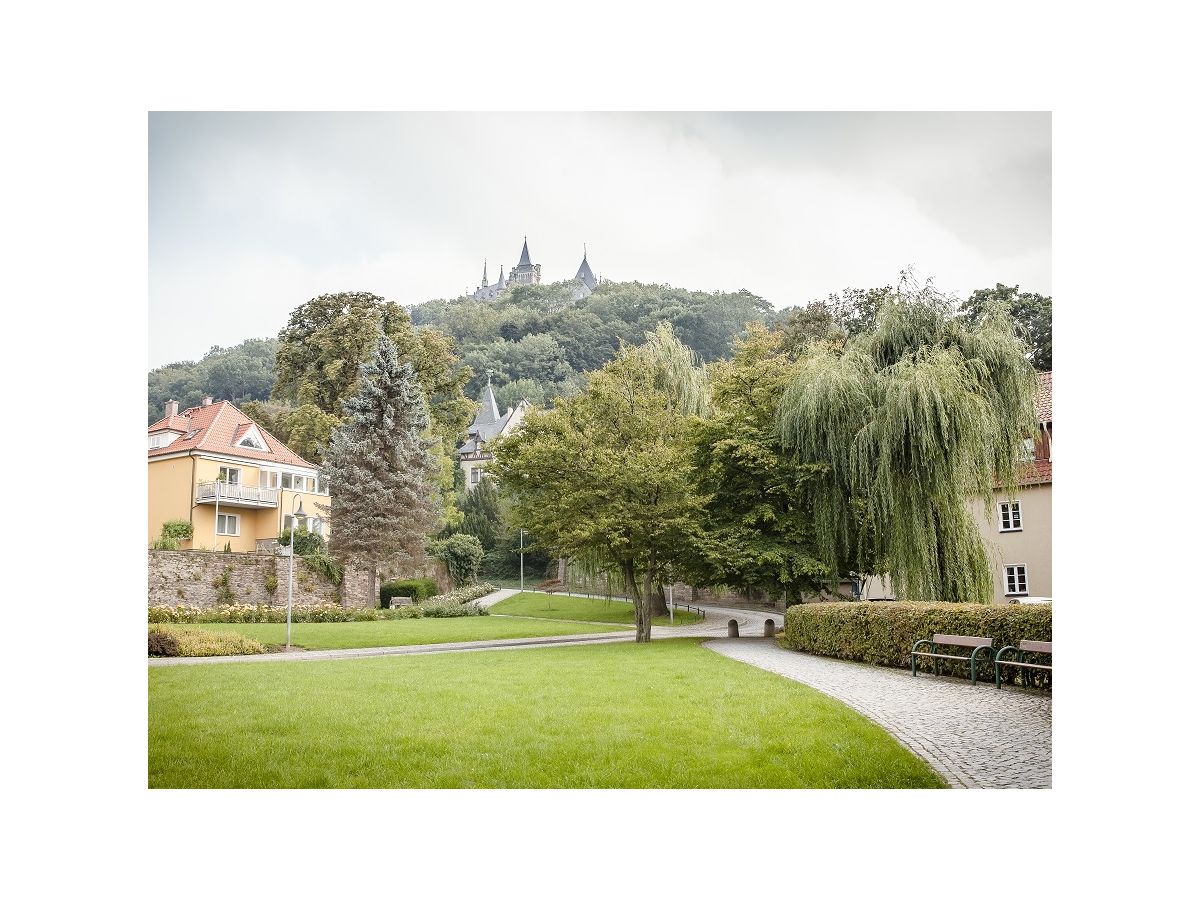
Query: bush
162, 643
306, 541
323, 564
417, 588
328, 612
198, 642
173, 531
462, 554
883, 633
462, 595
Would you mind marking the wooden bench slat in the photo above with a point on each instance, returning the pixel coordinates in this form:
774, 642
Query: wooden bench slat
1024, 665
1035, 647
961, 640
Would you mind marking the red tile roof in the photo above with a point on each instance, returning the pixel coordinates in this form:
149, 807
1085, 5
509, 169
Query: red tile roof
218, 428
1037, 472
1045, 397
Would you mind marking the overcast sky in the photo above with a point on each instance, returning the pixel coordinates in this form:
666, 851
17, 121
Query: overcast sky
251, 214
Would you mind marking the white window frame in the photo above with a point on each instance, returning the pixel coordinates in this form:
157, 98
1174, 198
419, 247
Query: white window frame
1009, 512
1014, 575
237, 524
228, 470
476, 475
269, 476
253, 440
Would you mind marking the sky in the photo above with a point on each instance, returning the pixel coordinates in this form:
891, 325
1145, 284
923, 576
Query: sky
252, 214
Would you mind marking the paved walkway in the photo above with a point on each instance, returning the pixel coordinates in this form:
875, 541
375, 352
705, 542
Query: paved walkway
973, 735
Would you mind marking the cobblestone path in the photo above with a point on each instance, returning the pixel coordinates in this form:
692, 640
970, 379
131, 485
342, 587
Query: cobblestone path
974, 736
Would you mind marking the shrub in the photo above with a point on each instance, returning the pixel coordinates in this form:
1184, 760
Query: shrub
162, 643
177, 529
328, 612
198, 642
462, 554
883, 633
462, 595
324, 565
271, 582
221, 583
417, 588
306, 541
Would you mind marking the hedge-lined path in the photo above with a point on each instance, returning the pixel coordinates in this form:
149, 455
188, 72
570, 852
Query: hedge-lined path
974, 736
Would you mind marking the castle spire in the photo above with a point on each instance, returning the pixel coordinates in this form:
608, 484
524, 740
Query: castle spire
485, 281
525, 253
585, 272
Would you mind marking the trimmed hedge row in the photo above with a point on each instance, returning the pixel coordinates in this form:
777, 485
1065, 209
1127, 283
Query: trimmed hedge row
883, 633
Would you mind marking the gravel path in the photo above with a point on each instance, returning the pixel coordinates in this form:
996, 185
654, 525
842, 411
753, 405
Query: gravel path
974, 735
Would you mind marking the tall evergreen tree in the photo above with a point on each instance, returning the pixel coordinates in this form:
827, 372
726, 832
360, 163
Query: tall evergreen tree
383, 491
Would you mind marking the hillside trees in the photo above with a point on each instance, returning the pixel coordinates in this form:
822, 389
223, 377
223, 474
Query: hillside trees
240, 373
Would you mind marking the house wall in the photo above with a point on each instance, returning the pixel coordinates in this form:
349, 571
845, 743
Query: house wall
1030, 546
172, 493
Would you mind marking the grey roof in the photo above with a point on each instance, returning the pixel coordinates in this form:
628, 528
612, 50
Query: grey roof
488, 413
585, 273
525, 254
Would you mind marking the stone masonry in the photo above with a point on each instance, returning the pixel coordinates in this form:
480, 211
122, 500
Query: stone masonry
205, 579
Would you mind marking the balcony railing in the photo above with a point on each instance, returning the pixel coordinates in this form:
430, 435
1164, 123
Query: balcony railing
236, 494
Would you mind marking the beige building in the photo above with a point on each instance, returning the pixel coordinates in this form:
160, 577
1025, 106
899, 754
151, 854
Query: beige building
1017, 533
489, 424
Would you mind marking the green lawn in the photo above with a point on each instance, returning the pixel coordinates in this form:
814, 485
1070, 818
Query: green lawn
395, 632
666, 714
558, 606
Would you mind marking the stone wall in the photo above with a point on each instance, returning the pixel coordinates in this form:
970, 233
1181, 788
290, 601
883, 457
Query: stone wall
205, 579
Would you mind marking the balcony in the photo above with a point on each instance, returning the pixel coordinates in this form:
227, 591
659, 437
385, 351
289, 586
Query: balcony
242, 495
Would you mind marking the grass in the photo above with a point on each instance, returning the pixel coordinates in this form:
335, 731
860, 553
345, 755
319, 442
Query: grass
397, 632
558, 606
665, 714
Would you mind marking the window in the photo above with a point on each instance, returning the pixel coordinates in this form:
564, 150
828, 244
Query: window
475, 475
322, 484
1014, 580
310, 484
268, 479
253, 440
229, 475
162, 439
1010, 516
1026, 450
227, 524
285, 480
317, 526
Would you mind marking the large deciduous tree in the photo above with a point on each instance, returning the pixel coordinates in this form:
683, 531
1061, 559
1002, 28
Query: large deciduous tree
606, 474
757, 530
381, 467
910, 420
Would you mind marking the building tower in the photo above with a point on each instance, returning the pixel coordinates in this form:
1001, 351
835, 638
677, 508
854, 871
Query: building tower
585, 272
525, 271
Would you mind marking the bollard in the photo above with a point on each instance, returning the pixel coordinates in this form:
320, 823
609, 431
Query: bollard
769, 628
733, 628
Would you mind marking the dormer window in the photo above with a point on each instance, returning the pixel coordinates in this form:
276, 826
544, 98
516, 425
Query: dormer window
162, 439
252, 440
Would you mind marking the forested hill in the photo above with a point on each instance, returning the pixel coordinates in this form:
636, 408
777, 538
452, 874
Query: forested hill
539, 339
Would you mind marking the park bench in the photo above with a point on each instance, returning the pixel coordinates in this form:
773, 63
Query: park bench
1026, 667
978, 646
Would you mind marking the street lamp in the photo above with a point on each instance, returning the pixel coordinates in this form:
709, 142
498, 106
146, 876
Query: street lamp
522, 560
297, 514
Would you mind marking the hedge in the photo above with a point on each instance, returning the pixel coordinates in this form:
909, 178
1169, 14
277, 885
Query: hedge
244, 612
171, 640
417, 588
883, 633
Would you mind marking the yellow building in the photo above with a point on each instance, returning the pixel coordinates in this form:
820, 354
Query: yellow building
233, 480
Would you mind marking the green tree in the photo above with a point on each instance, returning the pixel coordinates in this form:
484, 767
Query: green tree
462, 554
381, 467
481, 513
909, 421
606, 475
757, 531
1032, 314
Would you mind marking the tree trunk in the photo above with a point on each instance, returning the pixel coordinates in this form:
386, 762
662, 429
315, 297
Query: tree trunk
658, 601
641, 610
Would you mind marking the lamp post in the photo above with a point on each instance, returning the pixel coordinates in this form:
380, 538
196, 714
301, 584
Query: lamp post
296, 514
522, 560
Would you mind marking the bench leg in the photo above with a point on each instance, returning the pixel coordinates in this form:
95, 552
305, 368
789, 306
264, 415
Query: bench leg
913, 658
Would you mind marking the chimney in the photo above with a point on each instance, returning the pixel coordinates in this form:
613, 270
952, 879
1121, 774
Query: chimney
172, 408
207, 401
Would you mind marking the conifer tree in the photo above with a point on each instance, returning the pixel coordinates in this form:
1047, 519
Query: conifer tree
381, 469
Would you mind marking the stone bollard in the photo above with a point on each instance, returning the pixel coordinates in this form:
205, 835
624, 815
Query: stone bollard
733, 628
769, 628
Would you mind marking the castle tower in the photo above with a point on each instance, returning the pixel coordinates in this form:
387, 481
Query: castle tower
484, 283
525, 271
585, 272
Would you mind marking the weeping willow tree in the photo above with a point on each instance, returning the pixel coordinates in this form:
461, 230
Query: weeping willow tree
912, 420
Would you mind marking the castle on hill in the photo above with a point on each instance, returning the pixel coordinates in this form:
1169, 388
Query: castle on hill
528, 272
